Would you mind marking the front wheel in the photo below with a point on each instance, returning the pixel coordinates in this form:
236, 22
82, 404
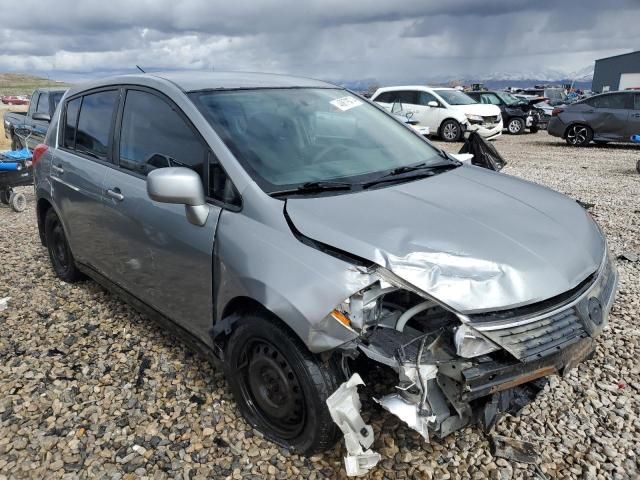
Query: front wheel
59, 251
280, 387
450, 131
515, 126
579, 135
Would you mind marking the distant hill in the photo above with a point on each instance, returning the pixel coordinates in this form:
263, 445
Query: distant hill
24, 84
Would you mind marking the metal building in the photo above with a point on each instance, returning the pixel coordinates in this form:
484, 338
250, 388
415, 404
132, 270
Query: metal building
617, 73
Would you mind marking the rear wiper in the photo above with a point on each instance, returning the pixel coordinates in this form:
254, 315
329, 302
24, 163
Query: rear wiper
313, 187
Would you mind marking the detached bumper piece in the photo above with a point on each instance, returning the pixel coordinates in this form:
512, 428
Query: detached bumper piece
344, 407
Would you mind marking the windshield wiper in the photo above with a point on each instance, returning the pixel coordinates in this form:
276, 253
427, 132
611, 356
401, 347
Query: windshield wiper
313, 187
421, 170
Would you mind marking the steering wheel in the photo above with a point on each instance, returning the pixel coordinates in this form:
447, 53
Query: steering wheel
326, 151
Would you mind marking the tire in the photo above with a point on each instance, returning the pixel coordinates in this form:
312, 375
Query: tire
5, 195
280, 387
579, 135
534, 129
450, 131
18, 202
515, 126
59, 251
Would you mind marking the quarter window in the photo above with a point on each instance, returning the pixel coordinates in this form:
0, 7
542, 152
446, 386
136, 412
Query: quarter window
154, 135
94, 123
73, 107
385, 97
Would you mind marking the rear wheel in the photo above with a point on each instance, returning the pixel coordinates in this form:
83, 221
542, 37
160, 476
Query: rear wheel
579, 135
450, 131
280, 387
5, 195
515, 126
59, 251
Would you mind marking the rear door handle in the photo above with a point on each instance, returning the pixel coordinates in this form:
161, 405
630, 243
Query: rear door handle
636, 115
115, 194
57, 169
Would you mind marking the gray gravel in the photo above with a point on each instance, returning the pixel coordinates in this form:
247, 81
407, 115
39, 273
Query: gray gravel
90, 388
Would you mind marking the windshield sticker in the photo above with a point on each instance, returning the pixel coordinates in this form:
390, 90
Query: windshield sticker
346, 103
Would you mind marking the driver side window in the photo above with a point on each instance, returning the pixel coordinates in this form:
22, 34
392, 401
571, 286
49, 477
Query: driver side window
154, 135
425, 98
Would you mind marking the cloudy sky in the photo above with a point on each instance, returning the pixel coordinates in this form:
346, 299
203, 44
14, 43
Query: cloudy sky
409, 40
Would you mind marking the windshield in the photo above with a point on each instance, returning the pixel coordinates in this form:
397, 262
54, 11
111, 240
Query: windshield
508, 98
455, 97
286, 137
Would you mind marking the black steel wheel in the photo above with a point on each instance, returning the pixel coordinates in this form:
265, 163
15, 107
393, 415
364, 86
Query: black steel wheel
280, 387
59, 251
579, 135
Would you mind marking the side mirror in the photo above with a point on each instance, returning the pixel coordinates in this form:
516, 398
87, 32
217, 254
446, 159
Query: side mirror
45, 117
181, 186
432, 103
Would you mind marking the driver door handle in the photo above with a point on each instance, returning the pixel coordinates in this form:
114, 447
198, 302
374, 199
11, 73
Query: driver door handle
115, 194
57, 169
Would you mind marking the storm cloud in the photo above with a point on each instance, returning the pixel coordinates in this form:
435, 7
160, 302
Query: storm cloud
413, 40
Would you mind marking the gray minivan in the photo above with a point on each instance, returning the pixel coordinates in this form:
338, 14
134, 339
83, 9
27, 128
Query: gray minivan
300, 234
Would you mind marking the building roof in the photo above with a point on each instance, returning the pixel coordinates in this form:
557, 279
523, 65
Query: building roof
621, 55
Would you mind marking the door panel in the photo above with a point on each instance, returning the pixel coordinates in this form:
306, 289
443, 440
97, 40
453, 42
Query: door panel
633, 127
157, 255
609, 116
77, 192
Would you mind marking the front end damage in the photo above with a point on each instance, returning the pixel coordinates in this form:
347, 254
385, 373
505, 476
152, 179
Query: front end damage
455, 370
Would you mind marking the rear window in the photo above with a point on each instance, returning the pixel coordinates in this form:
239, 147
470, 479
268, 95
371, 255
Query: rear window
613, 101
94, 123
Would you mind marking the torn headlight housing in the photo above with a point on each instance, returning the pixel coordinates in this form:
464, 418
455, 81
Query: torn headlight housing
474, 118
470, 344
363, 307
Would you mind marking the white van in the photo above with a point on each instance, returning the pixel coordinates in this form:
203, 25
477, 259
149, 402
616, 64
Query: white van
446, 111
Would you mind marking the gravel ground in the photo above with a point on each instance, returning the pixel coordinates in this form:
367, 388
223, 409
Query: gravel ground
90, 388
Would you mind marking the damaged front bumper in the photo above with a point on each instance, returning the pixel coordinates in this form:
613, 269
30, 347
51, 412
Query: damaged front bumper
439, 390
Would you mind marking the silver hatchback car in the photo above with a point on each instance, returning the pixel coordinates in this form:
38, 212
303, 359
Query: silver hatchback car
300, 234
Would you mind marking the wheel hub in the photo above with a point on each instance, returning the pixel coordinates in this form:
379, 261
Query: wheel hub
274, 389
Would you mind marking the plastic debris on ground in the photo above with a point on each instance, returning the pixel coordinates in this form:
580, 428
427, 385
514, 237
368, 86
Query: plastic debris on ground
484, 154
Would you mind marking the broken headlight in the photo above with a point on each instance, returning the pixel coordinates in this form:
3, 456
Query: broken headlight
363, 307
469, 343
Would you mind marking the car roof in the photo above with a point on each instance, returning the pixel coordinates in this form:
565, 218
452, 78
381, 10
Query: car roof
189, 81
423, 88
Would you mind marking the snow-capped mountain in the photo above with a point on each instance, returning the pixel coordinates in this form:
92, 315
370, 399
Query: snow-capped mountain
546, 75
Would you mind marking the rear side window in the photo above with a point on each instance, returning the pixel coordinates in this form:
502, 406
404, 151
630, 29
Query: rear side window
637, 101
490, 98
71, 121
407, 96
385, 97
43, 103
154, 135
94, 123
614, 101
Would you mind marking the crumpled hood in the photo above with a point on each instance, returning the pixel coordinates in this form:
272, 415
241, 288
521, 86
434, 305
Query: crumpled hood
474, 239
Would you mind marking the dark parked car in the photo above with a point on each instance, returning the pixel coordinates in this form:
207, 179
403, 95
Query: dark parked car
610, 117
29, 128
517, 114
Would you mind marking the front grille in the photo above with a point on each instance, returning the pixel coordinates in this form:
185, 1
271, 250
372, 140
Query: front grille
491, 119
541, 337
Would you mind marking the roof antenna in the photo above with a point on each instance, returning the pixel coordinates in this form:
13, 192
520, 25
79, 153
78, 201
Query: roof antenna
140, 68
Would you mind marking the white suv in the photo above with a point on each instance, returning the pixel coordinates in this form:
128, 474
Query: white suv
446, 111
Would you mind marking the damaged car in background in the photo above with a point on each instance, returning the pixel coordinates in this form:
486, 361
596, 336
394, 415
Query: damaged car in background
302, 235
